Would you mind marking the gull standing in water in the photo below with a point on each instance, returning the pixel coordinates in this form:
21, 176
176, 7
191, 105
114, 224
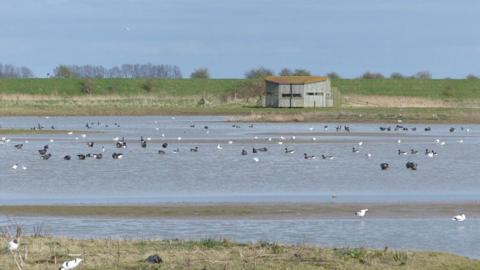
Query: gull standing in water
361, 213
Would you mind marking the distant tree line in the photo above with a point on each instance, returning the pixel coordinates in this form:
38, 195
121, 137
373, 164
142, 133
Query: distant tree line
123, 71
11, 71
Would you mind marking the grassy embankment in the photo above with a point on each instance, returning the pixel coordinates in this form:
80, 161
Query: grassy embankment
49, 253
362, 100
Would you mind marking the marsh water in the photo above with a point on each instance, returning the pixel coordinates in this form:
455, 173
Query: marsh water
143, 176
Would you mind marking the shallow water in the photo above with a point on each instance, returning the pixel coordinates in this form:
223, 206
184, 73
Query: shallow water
144, 176
213, 175
412, 234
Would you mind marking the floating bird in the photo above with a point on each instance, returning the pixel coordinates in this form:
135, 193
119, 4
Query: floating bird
412, 166
194, 149
244, 152
90, 144
368, 155
305, 156
354, 150
460, 217
327, 157
18, 146
46, 156
15, 166
219, 147
289, 151
360, 143
117, 155
384, 166
256, 159
67, 157
69, 265
164, 145
361, 213
161, 152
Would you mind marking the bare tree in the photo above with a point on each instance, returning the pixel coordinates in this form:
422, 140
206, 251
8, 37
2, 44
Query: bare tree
62, 71
258, 73
423, 75
286, 72
397, 75
333, 75
301, 72
200, 73
372, 75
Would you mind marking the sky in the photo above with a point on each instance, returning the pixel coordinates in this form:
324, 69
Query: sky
349, 37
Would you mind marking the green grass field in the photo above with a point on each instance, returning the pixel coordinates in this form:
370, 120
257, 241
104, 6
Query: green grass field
436, 89
72, 87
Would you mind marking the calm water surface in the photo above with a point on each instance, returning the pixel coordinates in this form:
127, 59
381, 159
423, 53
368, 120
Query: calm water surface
213, 175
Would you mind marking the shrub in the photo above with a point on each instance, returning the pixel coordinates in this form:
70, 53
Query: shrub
88, 86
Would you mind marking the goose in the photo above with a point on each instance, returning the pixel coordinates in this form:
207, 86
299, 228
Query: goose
289, 151
460, 217
327, 157
69, 265
117, 155
90, 144
81, 156
67, 157
219, 147
194, 149
161, 152
361, 213
384, 166
305, 156
412, 166
18, 146
244, 152
13, 245
46, 156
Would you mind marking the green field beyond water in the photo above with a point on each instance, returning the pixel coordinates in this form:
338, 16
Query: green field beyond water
436, 89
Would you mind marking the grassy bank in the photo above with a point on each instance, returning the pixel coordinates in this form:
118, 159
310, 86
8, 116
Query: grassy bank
49, 253
436, 89
376, 100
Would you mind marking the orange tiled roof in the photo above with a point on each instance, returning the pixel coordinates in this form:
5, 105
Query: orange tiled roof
295, 79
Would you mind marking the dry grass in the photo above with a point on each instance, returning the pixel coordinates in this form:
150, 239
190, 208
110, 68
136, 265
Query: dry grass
49, 253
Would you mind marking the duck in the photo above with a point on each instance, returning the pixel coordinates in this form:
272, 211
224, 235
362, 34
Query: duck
400, 152
384, 166
90, 144
69, 265
361, 213
194, 149
81, 156
327, 157
413, 151
355, 150
161, 152
97, 156
67, 157
46, 156
305, 156
244, 152
164, 145
460, 217
18, 146
117, 155
289, 151
412, 166
143, 144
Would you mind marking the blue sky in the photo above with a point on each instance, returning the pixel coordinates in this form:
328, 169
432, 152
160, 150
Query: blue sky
230, 37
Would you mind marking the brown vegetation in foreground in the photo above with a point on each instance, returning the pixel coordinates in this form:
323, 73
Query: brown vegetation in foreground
42, 252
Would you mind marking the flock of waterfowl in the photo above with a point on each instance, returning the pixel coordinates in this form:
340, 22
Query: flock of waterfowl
166, 147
